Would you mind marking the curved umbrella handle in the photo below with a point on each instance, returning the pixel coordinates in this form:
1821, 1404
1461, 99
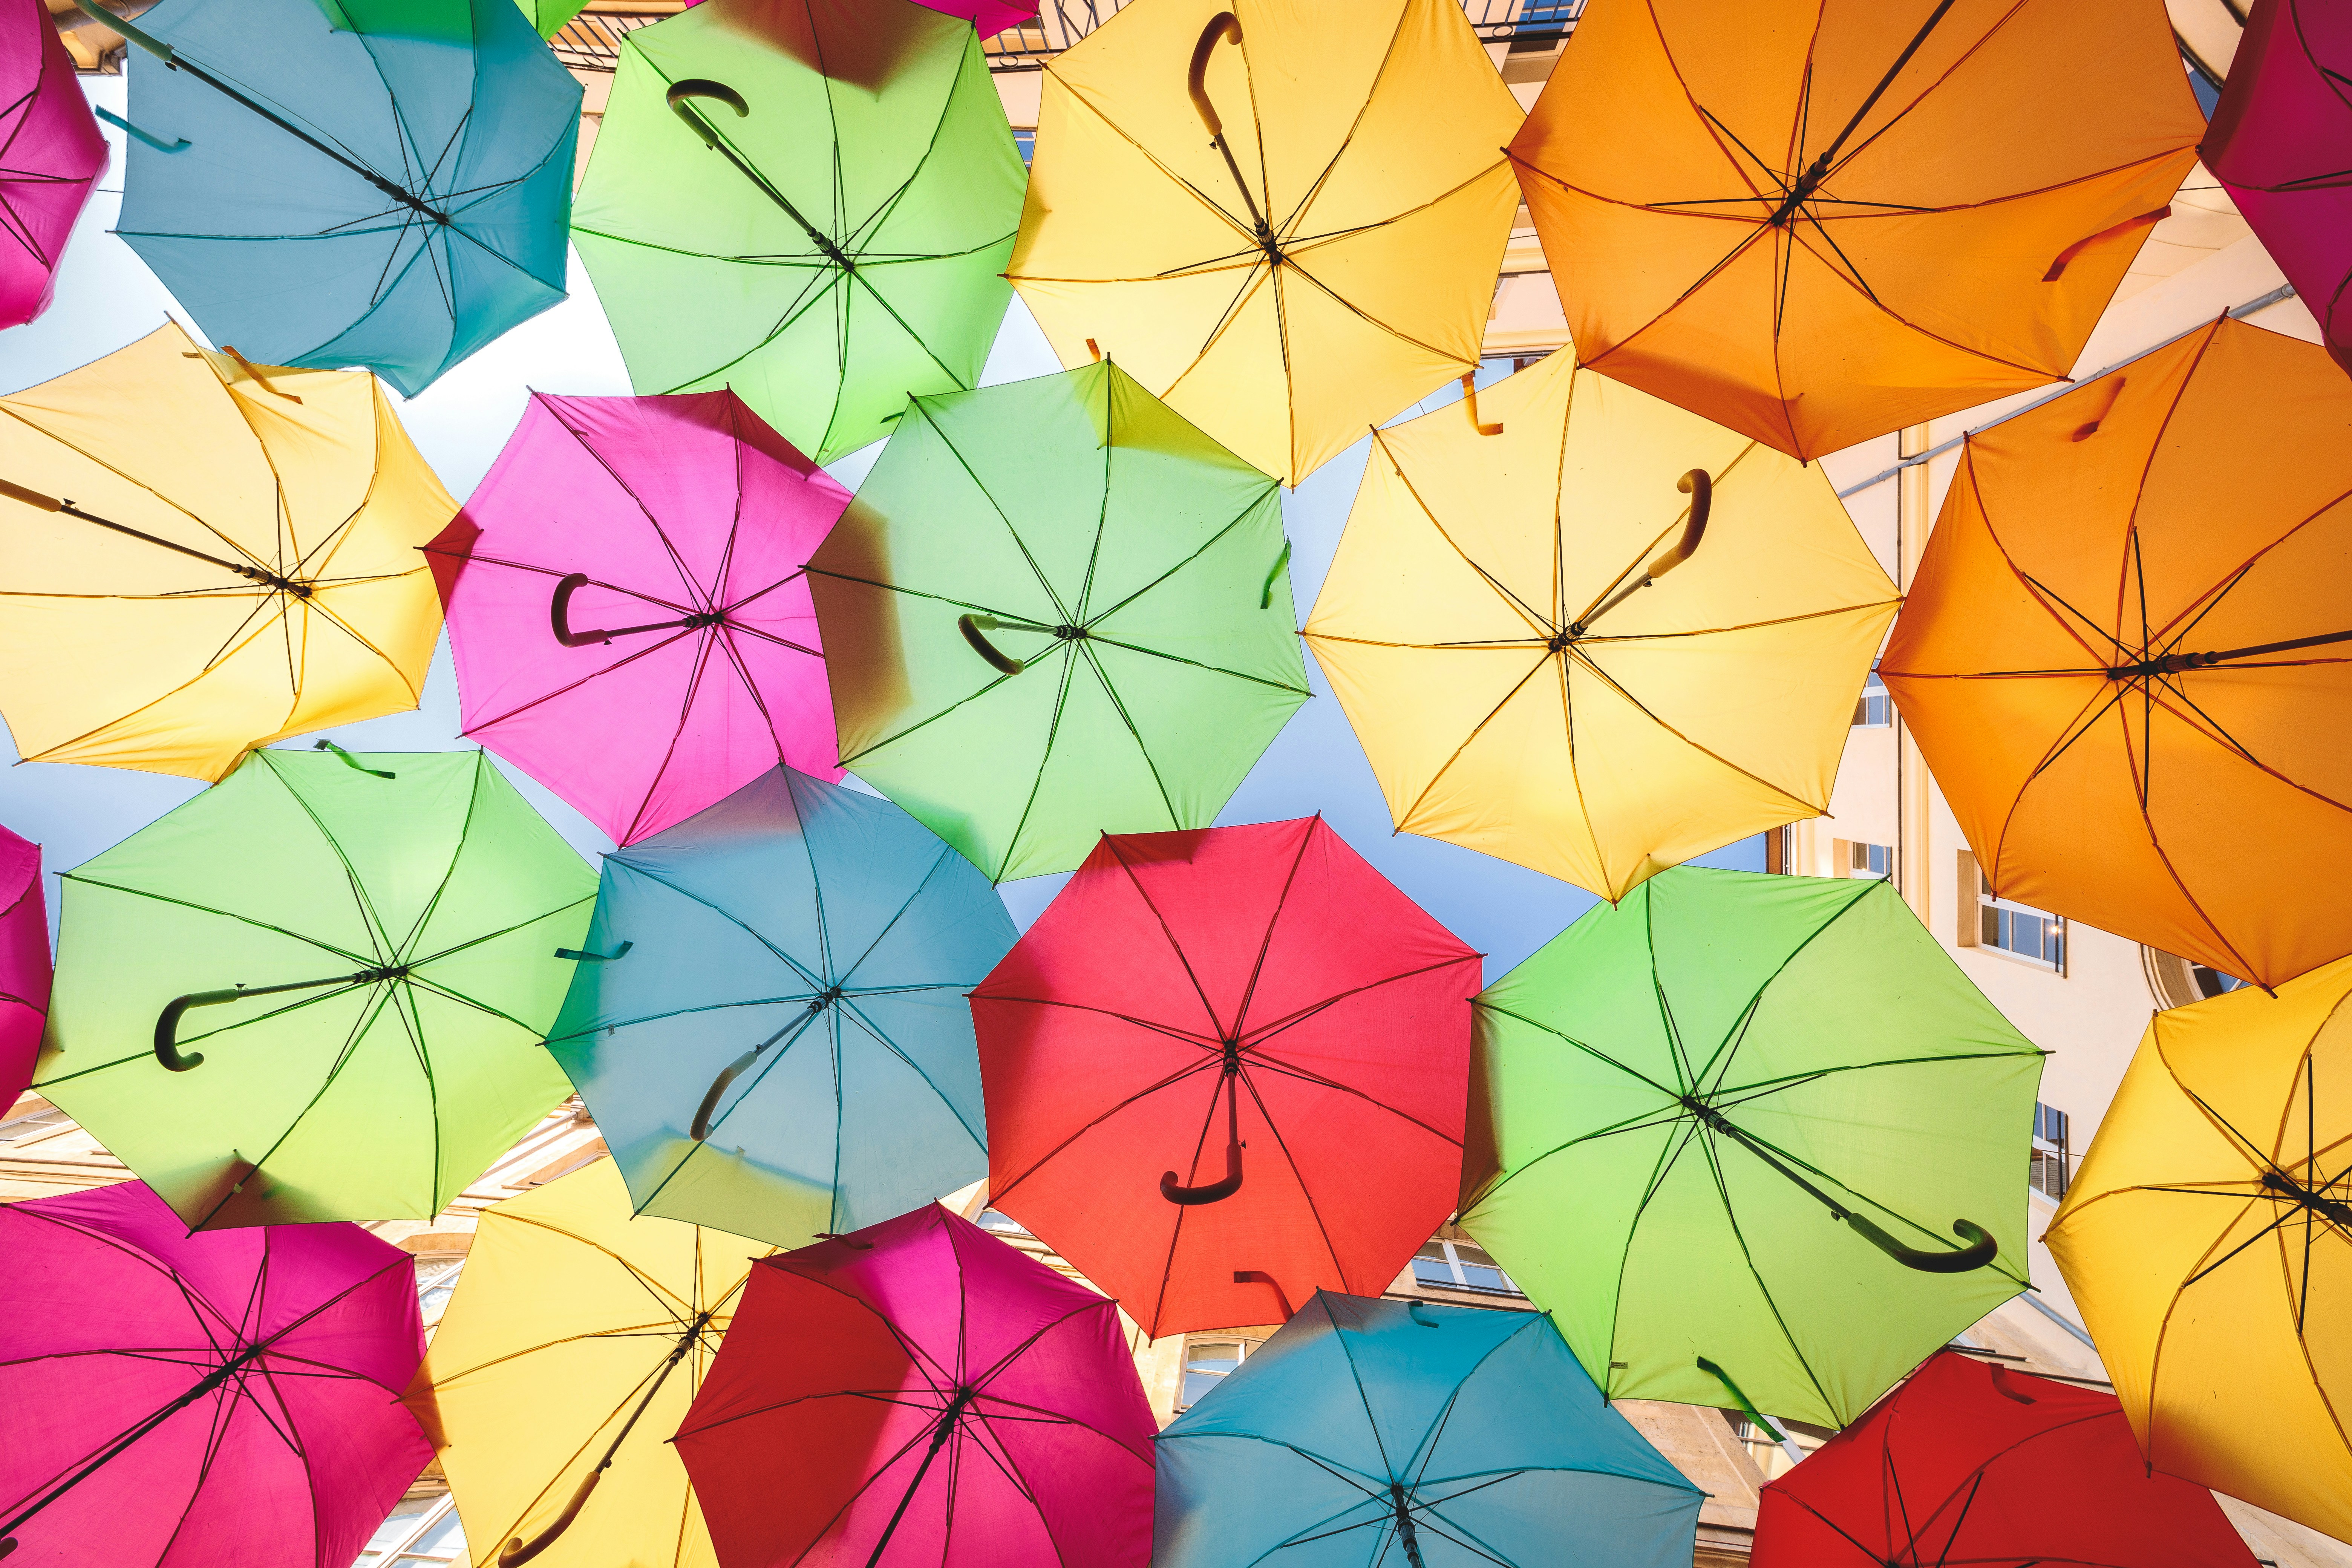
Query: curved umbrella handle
167, 1027
1982, 1247
700, 1130
1701, 491
1214, 1192
1414, 1311
1266, 594
1260, 1277
702, 87
559, 614
517, 1551
972, 627
1223, 25
2145, 220
179, 145
1470, 402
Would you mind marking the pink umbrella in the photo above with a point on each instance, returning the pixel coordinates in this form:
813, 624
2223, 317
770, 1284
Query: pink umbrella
918, 1393
625, 601
51, 152
2281, 144
224, 1398
991, 17
23, 963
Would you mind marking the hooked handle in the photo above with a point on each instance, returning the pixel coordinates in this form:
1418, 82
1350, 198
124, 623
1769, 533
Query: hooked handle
727, 1075
1741, 1399
517, 1551
702, 87
1260, 1277
1982, 1249
1701, 491
972, 627
2145, 220
1266, 594
559, 614
167, 1023
1223, 25
1216, 1191
1470, 402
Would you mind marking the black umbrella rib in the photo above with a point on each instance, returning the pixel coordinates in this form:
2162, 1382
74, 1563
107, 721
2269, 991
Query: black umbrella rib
817, 237
397, 193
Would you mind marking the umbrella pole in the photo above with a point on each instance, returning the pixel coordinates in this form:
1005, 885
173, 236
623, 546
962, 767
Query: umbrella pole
1400, 1499
948, 1418
1216, 1192
51, 503
1694, 484
559, 615
1223, 25
700, 1129
699, 87
1820, 168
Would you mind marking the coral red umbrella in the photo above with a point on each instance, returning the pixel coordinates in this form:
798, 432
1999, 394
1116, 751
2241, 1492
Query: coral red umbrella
2281, 144
1973, 1464
1227, 1069
920, 1393
23, 963
50, 155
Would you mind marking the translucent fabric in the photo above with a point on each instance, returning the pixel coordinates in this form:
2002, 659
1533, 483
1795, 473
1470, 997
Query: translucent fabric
51, 153
23, 963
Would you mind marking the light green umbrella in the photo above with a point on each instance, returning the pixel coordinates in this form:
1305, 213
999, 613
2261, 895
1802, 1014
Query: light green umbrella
1056, 610
318, 990
1754, 1141
812, 205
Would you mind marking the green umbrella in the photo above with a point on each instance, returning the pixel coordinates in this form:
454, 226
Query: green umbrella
810, 205
1056, 610
317, 991
1754, 1141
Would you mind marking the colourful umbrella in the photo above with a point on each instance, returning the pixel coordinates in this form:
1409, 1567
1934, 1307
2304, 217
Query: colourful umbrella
548, 16
1289, 240
2125, 654
1678, 1100
574, 1343
773, 1035
23, 963
1527, 681
2208, 1241
198, 555
193, 1401
367, 949
626, 606
989, 17
51, 153
1225, 1069
934, 1396
810, 203
1394, 1432
1819, 225
382, 183
1969, 1464
1056, 610
2281, 144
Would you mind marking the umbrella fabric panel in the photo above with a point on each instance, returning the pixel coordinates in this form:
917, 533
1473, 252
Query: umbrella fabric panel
466, 110
51, 153
548, 16
180, 666
23, 963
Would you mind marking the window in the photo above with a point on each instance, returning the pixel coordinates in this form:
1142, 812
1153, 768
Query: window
1002, 1224
1026, 141
1874, 710
31, 1122
1461, 1266
1208, 1362
2020, 931
436, 1280
1541, 23
420, 1532
1869, 860
2047, 1172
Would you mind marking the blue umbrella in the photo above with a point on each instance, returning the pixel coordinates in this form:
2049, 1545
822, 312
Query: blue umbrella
769, 1021
329, 182
1397, 1435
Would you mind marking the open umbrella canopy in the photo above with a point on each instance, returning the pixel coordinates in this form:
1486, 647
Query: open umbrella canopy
1392, 1432
1678, 1100
383, 182
1971, 1464
811, 203
626, 606
2208, 1241
1526, 677
201, 556
23, 963
2126, 654
934, 1397
1819, 226
1056, 610
365, 949
51, 153
1289, 241
2281, 144
575, 1340
1188, 995
189, 1401
772, 1033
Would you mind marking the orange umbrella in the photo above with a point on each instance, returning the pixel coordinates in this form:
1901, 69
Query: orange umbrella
1819, 226
2125, 657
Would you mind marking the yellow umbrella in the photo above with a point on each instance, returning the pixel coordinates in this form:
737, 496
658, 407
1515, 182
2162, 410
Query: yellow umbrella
2209, 1244
1520, 690
199, 555
1294, 239
577, 1337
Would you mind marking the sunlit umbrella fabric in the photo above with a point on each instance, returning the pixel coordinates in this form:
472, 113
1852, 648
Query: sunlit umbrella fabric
2125, 654
2208, 1241
1057, 609
1516, 689
1291, 244
404, 907
277, 587
51, 153
626, 607
809, 202
1727, 1130
390, 187
23, 963
189, 1401
1820, 225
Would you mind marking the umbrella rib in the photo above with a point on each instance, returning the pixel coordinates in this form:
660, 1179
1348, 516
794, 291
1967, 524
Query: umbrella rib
1257, 968
1044, 761
1723, 1190
1779, 970
700, 596
1090, 621
1541, 626
1196, 664
1216, 1023
1404, 817
480, 725
2139, 492
456, 853
378, 932
789, 962
979, 1138
1285, 1070
1291, 1160
2212, 927
1060, 610
704, 643
1224, 1084
1190, 1038
1177, 1077
1580, 657
2206, 602
1255, 1039
358, 958
1372, 1422
945, 855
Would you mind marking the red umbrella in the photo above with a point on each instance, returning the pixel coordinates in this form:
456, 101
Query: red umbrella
1227, 1069
920, 1393
1973, 1464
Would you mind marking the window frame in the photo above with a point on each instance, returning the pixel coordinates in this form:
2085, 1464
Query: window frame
395, 1552
1873, 695
1241, 1349
1980, 903
1508, 1289
2052, 1150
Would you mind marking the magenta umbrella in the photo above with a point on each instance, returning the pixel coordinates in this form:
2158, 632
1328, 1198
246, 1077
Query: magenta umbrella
991, 17
224, 1398
918, 1394
2281, 144
23, 963
51, 152
625, 601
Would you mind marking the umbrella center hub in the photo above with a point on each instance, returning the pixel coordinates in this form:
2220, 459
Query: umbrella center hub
2294, 1192
1704, 1112
1070, 634
284, 584
1558, 641
704, 618
1232, 1062
2166, 664
824, 998
384, 972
